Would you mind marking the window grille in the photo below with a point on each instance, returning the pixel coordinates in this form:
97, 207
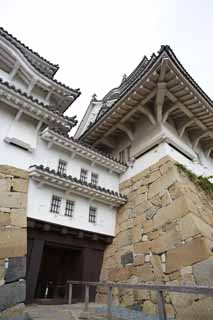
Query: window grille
69, 208
55, 204
94, 178
83, 175
92, 214
62, 166
121, 156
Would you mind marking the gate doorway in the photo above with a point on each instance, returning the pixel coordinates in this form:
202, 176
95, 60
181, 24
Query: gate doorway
58, 265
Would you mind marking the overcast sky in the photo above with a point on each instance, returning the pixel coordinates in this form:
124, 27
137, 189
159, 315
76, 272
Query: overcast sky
95, 42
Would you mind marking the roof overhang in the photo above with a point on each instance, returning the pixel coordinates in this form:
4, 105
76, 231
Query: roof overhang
32, 107
164, 90
77, 148
45, 176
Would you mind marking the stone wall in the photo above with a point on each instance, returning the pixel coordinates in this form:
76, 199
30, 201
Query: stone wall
163, 235
13, 241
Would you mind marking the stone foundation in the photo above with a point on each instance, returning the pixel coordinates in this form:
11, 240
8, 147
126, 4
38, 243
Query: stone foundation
163, 235
13, 241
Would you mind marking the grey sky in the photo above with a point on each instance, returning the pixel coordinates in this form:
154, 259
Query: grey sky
95, 42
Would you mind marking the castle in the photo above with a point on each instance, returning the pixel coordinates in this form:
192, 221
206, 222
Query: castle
83, 194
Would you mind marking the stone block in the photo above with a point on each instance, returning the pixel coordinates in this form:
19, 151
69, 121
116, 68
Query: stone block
156, 264
203, 272
145, 272
20, 185
124, 238
137, 233
18, 220
164, 182
142, 247
198, 310
13, 199
11, 294
16, 269
187, 254
12, 171
139, 260
4, 219
176, 209
5, 184
166, 241
13, 242
127, 258
140, 199
141, 175
191, 225
149, 307
153, 176
142, 207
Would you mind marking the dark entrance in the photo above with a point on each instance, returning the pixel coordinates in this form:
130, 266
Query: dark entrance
56, 254
57, 266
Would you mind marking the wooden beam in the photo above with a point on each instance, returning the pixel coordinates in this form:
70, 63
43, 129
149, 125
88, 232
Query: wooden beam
197, 139
163, 69
149, 115
159, 101
170, 110
14, 70
128, 131
184, 126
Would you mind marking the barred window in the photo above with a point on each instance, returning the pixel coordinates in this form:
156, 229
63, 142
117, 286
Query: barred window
62, 165
92, 214
55, 204
83, 175
94, 178
69, 208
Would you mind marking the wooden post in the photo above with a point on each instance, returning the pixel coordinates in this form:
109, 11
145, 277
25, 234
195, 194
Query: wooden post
109, 303
86, 298
70, 294
161, 306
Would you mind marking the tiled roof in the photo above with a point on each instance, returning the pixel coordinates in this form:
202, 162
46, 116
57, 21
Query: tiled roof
53, 68
72, 179
138, 73
36, 60
64, 133
31, 98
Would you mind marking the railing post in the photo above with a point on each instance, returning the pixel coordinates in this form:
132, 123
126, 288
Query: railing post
161, 306
86, 298
109, 303
70, 294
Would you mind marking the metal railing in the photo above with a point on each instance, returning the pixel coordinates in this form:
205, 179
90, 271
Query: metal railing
160, 289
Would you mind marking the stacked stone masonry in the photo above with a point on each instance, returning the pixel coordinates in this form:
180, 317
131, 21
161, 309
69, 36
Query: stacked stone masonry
163, 235
13, 242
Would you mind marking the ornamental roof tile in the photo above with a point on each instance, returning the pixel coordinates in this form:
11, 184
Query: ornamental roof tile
48, 71
31, 98
78, 181
64, 133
